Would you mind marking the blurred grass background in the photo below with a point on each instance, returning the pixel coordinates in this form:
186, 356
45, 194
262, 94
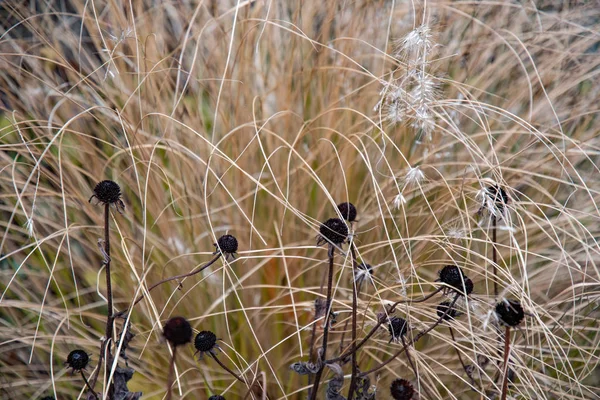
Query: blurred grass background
255, 118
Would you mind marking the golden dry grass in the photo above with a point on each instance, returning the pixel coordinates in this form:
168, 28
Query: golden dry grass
256, 118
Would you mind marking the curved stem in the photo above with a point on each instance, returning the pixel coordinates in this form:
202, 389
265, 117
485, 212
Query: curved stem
88, 385
226, 368
506, 352
494, 257
460, 357
412, 366
323, 355
211, 262
430, 295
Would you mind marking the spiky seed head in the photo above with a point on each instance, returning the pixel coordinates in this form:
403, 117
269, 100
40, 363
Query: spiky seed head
108, 192
453, 276
450, 314
498, 197
178, 331
366, 267
228, 244
78, 360
216, 397
348, 211
510, 312
401, 389
334, 230
205, 341
397, 327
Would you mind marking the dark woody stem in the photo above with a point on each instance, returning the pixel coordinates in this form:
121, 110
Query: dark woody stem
88, 385
354, 307
315, 388
415, 339
171, 379
506, 352
460, 357
494, 257
226, 368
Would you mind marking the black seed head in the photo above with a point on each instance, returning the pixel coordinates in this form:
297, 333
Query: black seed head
401, 389
108, 192
216, 397
397, 327
450, 314
205, 341
366, 267
348, 211
178, 331
78, 360
228, 244
335, 230
510, 312
498, 196
453, 276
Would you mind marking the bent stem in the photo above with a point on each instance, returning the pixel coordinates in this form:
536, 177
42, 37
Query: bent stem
171, 379
226, 368
88, 385
323, 355
506, 351
460, 357
494, 257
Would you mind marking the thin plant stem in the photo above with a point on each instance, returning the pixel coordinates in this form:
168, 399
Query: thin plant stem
171, 379
494, 257
323, 354
414, 368
506, 352
226, 368
88, 385
354, 307
460, 357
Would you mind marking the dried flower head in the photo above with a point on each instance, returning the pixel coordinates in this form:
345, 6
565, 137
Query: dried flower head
414, 175
227, 244
401, 389
453, 276
498, 196
108, 192
216, 397
177, 331
399, 201
334, 230
493, 200
348, 211
510, 312
78, 360
445, 307
397, 327
206, 342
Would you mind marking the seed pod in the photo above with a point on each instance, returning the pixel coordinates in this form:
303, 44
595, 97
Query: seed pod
78, 360
334, 230
401, 389
205, 341
228, 244
510, 312
177, 331
453, 276
348, 211
397, 327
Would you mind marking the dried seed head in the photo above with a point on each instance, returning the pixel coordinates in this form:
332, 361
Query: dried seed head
228, 244
177, 331
366, 267
510, 312
401, 389
450, 314
108, 192
216, 397
498, 197
205, 341
348, 211
334, 230
453, 276
397, 327
78, 360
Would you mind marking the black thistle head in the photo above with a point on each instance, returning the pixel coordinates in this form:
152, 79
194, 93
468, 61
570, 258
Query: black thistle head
445, 307
348, 211
401, 389
78, 360
178, 331
397, 327
453, 276
333, 230
108, 192
216, 397
227, 244
205, 342
510, 312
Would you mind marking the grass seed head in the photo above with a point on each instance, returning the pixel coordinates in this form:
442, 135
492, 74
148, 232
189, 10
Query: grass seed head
178, 331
